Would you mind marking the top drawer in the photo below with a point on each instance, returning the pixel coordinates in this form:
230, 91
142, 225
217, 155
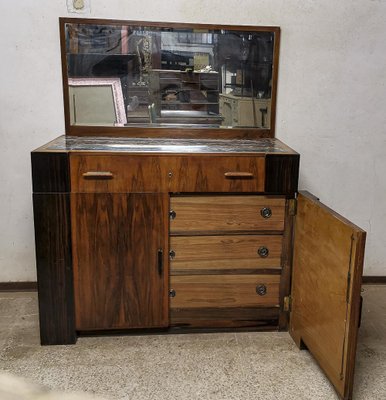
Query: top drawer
117, 174
161, 174
200, 215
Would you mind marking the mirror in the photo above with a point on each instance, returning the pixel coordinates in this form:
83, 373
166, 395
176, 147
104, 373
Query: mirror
121, 75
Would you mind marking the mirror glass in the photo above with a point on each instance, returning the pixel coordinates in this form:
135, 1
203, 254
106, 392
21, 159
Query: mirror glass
155, 76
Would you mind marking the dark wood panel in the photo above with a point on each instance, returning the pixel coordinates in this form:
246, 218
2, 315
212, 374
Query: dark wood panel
212, 174
128, 173
239, 214
117, 277
54, 268
50, 172
281, 174
224, 317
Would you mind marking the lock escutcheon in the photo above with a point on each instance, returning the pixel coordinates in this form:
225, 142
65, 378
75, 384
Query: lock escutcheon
266, 212
263, 252
261, 290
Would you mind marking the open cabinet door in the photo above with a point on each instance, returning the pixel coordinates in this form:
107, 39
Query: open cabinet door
326, 285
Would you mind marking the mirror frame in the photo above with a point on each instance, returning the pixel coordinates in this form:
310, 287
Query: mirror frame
169, 132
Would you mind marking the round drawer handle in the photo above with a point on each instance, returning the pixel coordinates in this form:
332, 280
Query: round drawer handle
172, 293
263, 252
266, 212
261, 290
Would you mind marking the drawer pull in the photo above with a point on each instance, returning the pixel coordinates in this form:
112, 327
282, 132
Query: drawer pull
261, 290
98, 174
172, 214
263, 252
266, 212
160, 257
172, 293
172, 254
238, 175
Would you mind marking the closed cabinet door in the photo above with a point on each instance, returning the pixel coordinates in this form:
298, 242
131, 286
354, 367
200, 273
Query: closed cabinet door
120, 244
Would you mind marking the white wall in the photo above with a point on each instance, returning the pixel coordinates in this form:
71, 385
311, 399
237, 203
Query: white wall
331, 102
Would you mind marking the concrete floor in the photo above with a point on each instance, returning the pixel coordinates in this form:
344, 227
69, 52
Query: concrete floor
225, 366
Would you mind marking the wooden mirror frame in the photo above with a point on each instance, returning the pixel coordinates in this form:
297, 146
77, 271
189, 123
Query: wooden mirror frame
197, 133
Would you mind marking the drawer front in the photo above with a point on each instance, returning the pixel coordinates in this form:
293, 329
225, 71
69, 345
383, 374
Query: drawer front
217, 174
224, 254
224, 291
117, 174
207, 214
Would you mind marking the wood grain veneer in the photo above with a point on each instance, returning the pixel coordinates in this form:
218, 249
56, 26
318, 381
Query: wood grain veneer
117, 278
225, 214
215, 254
222, 291
326, 280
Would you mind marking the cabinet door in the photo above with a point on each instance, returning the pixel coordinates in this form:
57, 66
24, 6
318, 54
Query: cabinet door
120, 260
326, 284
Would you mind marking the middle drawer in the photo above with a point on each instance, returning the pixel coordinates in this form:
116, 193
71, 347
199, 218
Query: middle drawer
224, 254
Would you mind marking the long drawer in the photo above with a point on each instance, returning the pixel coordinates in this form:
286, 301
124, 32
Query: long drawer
224, 254
202, 214
162, 173
224, 291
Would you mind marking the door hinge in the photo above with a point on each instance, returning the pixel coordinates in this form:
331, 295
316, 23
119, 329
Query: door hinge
288, 303
292, 207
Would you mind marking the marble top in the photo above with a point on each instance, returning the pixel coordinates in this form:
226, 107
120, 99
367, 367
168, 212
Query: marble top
163, 145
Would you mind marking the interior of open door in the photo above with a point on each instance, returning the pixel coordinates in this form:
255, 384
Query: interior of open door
326, 285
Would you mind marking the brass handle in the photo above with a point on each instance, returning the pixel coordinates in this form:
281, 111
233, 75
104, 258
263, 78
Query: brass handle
261, 290
263, 252
98, 174
266, 212
238, 175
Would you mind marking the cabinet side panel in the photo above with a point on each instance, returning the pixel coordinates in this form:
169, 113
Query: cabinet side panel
54, 268
50, 172
281, 174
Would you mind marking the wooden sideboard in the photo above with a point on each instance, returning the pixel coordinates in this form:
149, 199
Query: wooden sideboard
189, 235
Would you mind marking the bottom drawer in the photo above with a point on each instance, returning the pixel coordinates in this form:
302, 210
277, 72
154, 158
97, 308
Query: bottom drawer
207, 291
224, 301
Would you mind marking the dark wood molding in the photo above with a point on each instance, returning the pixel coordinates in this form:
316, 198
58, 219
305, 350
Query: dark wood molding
18, 286
54, 268
281, 174
50, 172
374, 280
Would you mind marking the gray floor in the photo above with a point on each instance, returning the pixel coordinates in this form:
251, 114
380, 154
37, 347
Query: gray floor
238, 366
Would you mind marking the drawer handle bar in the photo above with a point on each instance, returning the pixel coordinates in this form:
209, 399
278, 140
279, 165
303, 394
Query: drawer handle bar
98, 174
238, 175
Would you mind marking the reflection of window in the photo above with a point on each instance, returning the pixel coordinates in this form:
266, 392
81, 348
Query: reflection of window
195, 38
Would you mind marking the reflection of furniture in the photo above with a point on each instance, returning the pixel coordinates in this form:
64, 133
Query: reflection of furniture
180, 90
245, 111
96, 101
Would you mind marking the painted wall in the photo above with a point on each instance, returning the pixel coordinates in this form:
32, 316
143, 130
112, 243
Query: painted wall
331, 102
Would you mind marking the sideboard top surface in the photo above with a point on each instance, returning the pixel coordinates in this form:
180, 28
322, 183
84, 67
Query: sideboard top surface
165, 146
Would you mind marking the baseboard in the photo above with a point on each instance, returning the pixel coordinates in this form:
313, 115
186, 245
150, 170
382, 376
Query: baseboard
18, 286
374, 280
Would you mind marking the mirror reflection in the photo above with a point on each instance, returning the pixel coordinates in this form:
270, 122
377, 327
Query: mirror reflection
161, 77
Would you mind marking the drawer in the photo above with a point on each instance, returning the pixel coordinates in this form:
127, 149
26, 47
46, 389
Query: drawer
217, 174
224, 254
212, 214
212, 291
117, 173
